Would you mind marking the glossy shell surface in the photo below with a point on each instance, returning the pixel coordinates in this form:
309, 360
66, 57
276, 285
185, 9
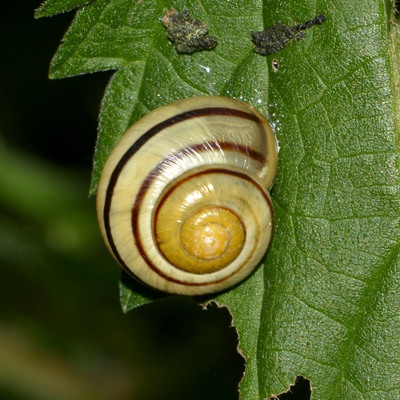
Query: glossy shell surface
183, 201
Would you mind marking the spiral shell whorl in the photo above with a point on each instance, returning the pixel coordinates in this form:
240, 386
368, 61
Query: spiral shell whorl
213, 232
198, 168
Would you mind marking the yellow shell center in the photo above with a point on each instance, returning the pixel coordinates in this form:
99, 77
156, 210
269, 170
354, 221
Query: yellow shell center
212, 238
206, 242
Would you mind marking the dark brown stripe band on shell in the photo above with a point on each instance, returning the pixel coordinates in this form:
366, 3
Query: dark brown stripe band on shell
150, 134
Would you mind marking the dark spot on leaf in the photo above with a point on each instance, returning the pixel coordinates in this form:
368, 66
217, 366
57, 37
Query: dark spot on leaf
189, 35
300, 390
275, 65
278, 36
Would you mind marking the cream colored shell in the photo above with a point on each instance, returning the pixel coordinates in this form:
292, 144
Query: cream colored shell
183, 202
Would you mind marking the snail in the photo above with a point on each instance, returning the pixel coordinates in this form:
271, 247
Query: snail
183, 202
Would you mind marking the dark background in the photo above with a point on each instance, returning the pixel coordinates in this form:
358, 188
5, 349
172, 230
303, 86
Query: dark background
62, 332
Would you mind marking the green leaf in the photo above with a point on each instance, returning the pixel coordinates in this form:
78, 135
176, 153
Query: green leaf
52, 7
326, 302
332, 278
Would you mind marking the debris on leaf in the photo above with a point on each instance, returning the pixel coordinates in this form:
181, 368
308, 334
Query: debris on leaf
277, 37
189, 35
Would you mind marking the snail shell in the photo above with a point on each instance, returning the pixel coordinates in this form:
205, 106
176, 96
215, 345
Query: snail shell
183, 202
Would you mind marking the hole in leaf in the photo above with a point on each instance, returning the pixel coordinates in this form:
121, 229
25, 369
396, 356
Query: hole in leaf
300, 390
